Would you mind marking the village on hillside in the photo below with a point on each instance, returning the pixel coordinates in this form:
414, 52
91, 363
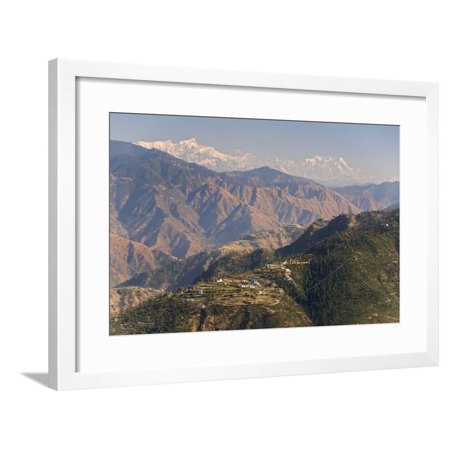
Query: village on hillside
261, 286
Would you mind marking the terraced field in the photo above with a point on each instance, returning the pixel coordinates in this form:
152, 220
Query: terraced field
251, 300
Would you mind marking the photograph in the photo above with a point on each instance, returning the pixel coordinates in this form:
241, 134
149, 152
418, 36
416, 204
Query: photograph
222, 223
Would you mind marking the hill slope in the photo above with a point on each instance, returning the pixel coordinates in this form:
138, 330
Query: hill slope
185, 271
128, 258
353, 275
345, 271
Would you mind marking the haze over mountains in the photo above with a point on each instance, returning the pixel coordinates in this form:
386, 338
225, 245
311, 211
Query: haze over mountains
164, 208
374, 196
327, 170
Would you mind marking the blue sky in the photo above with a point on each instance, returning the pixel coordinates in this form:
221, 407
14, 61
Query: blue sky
372, 148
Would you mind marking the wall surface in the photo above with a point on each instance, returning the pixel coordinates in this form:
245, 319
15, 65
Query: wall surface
373, 410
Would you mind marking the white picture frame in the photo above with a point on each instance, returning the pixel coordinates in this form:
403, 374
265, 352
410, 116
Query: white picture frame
64, 316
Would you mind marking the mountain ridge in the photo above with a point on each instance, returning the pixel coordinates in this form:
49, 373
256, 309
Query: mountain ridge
373, 197
328, 170
177, 209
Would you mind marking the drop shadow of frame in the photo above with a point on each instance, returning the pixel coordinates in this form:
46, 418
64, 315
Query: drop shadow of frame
38, 377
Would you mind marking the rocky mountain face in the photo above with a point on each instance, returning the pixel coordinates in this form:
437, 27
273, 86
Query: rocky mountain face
128, 258
177, 209
327, 170
373, 197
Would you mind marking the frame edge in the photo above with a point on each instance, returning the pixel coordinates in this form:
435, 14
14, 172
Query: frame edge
52, 224
432, 99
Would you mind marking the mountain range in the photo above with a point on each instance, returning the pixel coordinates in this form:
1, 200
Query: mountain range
327, 170
163, 209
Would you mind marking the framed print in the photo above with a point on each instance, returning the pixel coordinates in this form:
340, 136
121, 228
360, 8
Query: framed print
211, 224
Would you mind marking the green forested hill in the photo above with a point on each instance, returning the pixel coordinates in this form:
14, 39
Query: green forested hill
341, 272
352, 273
353, 277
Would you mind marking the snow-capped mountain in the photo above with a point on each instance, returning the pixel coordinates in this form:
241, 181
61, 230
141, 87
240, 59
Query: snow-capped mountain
191, 151
331, 171
323, 169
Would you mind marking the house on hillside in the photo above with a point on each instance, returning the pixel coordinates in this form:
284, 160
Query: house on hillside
198, 292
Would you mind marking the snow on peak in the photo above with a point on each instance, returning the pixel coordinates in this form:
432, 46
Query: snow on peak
160, 145
191, 150
190, 142
329, 170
